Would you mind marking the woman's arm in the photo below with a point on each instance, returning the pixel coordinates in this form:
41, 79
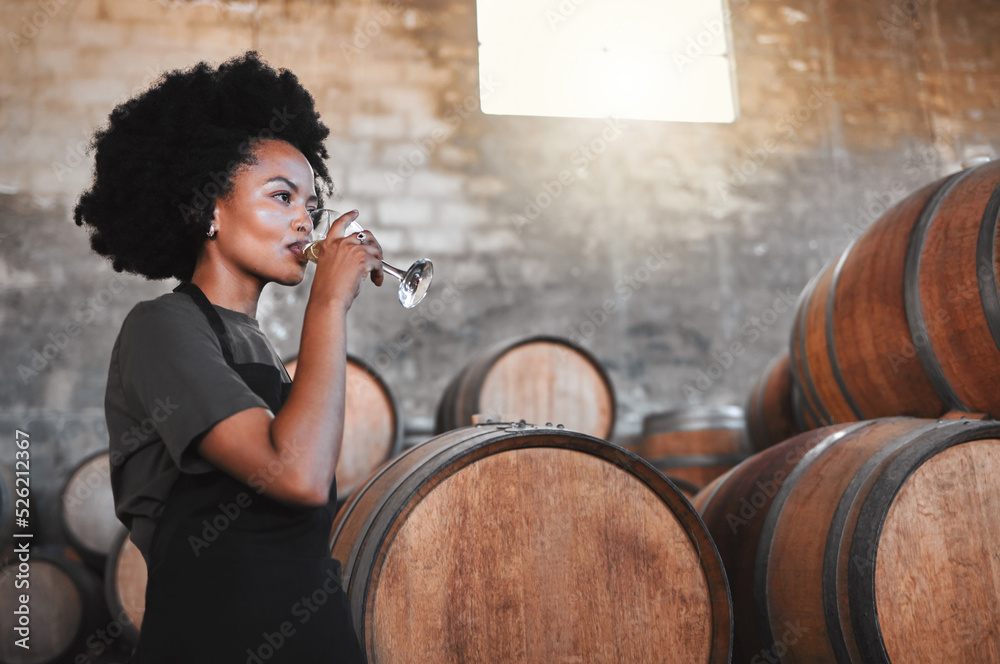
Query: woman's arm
292, 456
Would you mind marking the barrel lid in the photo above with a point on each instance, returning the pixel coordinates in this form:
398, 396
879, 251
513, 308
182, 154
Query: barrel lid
694, 419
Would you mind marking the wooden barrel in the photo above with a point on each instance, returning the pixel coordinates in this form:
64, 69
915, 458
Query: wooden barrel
695, 444
64, 609
907, 320
373, 430
539, 379
87, 509
125, 580
770, 410
854, 542
526, 544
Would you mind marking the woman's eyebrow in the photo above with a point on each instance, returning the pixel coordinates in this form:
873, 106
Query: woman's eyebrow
280, 178
291, 185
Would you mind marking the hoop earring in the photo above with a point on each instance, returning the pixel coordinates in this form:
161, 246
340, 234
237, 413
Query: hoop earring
211, 231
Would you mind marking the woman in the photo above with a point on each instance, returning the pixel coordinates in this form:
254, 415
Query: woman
222, 468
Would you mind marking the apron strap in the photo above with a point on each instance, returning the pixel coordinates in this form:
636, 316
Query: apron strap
214, 319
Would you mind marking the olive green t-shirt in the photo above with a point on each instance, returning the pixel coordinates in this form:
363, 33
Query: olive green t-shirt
168, 384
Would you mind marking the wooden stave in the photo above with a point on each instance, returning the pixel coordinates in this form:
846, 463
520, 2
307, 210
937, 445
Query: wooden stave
95, 556
805, 418
767, 593
395, 444
770, 411
697, 470
461, 399
694, 419
853, 510
924, 388
854, 283
130, 620
876, 276
823, 376
812, 412
480, 374
972, 328
455, 450
889, 480
695, 444
738, 542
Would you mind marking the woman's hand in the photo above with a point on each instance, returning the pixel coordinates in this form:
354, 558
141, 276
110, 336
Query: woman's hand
344, 262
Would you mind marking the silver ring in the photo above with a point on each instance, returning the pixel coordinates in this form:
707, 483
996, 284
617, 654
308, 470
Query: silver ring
362, 237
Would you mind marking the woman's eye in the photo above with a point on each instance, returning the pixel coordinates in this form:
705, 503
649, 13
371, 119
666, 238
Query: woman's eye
284, 196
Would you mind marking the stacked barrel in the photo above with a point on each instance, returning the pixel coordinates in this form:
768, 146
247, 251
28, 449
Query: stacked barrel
693, 446
853, 541
538, 379
907, 320
523, 535
529, 544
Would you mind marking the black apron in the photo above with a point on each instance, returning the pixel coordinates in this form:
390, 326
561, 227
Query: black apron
235, 576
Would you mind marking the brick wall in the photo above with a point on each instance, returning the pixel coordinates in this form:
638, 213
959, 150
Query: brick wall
844, 106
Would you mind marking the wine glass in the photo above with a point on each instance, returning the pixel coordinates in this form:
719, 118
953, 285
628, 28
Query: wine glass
413, 283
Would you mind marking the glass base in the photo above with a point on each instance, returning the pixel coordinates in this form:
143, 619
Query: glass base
414, 284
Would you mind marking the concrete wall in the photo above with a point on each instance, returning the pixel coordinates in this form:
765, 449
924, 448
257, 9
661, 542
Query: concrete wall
845, 106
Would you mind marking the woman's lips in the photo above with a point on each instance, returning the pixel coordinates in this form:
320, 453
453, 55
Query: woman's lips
296, 248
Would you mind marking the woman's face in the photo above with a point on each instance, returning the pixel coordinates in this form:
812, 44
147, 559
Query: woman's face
262, 223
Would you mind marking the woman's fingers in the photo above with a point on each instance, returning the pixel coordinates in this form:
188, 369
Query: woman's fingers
373, 246
340, 224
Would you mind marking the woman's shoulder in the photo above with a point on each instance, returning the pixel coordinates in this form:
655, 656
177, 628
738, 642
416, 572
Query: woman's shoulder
169, 314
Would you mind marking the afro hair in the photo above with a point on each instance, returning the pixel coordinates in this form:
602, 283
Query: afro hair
167, 154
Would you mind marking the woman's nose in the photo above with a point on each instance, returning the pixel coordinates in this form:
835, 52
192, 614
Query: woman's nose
305, 222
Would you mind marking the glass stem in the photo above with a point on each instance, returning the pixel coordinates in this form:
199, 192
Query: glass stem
399, 274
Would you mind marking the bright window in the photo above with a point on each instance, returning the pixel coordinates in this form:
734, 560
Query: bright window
641, 59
